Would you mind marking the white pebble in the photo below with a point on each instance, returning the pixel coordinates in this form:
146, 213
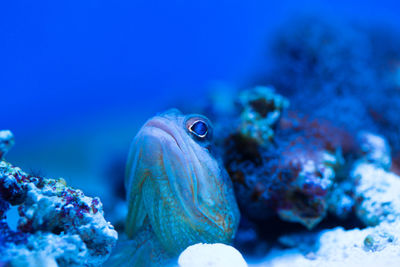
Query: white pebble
211, 255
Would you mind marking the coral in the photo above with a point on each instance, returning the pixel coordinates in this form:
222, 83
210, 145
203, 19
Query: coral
375, 149
212, 255
292, 171
6, 142
63, 249
368, 148
375, 187
308, 168
340, 72
261, 108
327, 156
341, 200
377, 194
298, 166
305, 198
56, 222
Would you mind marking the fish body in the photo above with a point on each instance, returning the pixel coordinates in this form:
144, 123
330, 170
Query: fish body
176, 189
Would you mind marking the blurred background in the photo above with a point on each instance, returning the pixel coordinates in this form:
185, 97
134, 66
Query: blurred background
78, 78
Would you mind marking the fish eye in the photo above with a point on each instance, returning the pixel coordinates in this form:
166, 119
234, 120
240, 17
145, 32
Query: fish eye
199, 128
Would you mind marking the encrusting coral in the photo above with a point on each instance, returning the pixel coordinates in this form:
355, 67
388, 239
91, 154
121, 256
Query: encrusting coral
261, 109
377, 193
376, 188
57, 224
281, 163
300, 168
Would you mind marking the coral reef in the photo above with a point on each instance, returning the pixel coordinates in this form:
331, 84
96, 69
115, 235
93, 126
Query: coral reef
368, 148
334, 154
302, 168
56, 223
305, 169
261, 108
291, 171
340, 72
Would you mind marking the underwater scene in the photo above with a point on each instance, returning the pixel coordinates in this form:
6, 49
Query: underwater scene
190, 134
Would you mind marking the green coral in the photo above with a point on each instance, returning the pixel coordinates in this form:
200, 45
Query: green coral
261, 110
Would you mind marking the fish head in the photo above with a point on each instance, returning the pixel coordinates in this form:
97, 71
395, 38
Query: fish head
184, 189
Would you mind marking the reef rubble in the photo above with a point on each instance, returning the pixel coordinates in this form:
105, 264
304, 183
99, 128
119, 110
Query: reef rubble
57, 225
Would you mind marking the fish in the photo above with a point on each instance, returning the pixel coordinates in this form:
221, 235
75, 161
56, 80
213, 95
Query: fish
178, 192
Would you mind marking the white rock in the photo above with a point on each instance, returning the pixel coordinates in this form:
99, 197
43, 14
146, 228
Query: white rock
211, 255
376, 149
378, 195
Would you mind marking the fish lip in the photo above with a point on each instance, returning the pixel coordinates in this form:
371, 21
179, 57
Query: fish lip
161, 124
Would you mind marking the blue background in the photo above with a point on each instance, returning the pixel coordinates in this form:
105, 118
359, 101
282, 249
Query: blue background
78, 78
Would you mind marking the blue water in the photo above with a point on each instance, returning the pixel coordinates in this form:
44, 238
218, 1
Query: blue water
78, 78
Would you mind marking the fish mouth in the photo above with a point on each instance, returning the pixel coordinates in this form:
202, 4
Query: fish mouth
166, 128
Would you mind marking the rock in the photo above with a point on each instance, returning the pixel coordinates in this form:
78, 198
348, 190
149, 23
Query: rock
211, 255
